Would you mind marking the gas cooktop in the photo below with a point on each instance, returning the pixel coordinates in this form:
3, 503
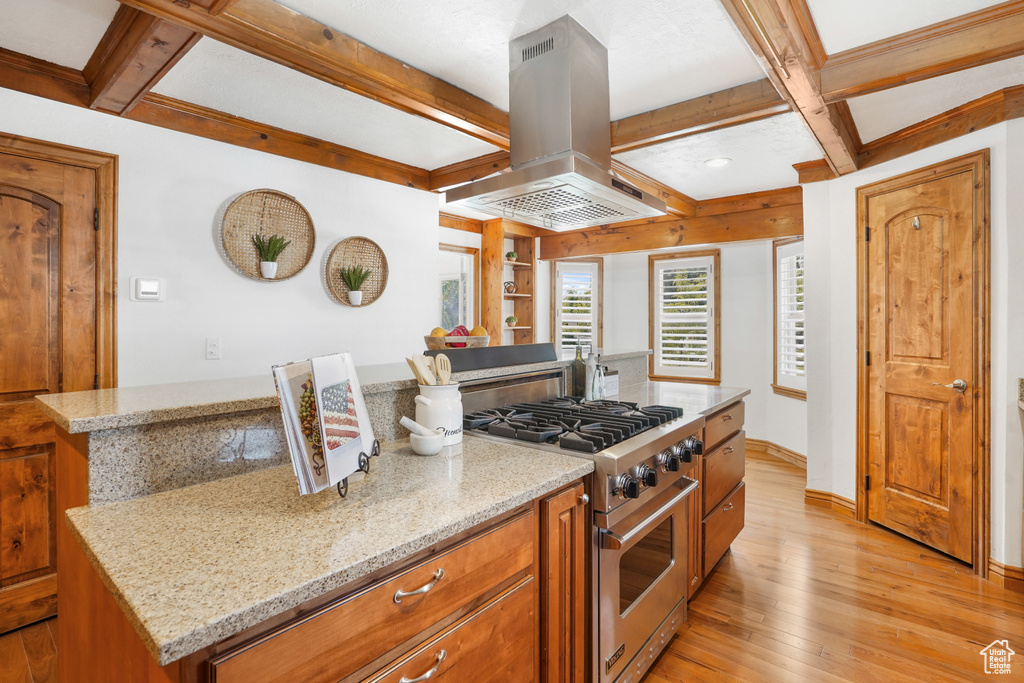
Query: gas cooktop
570, 422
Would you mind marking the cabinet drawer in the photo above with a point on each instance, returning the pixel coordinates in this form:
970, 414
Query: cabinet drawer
343, 637
496, 643
722, 526
723, 470
722, 424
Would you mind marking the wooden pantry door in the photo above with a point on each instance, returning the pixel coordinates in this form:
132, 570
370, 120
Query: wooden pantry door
924, 300
53, 286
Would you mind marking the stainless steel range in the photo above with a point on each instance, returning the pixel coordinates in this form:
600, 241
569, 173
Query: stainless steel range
641, 458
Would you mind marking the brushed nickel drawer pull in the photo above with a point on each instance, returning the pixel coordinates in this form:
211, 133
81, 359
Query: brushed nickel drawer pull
727, 507
399, 594
584, 499
441, 656
728, 449
726, 417
694, 579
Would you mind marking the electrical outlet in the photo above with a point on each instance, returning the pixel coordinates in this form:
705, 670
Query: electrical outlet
213, 348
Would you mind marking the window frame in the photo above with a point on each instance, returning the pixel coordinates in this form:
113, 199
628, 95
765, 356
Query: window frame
555, 302
778, 386
475, 253
715, 255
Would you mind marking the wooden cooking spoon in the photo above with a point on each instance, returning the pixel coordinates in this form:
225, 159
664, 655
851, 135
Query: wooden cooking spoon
444, 368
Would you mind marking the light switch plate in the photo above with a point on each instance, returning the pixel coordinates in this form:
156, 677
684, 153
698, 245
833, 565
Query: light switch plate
146, 289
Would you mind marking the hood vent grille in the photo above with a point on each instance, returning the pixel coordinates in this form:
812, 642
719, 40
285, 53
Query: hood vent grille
539, 49
560, 139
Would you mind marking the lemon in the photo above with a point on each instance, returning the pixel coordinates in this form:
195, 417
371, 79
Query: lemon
439, 332
478, 331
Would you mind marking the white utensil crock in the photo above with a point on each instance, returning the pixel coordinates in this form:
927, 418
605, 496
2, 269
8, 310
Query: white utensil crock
440, 407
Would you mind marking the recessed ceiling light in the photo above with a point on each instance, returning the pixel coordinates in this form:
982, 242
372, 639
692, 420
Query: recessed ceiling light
717, 162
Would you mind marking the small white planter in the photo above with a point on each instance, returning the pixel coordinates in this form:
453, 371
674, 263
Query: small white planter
268, 269
355, 298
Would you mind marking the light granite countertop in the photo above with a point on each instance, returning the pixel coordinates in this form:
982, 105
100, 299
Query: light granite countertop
701, 399
89, 411
193, 566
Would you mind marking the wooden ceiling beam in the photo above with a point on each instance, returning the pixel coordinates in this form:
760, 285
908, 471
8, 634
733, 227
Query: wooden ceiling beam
778, 33
272, 31
997, 107
730, 107
677, 202
450, 220
751, 201
469, 170
42, 79
661, 233
136, 51
964, 42
1002, 105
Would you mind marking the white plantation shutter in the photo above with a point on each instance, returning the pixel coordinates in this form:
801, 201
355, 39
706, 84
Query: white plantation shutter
577, 296
789, 312
684, 327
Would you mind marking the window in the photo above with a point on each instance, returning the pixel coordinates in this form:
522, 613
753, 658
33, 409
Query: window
576, 305
458, 288
790, 378
684, 316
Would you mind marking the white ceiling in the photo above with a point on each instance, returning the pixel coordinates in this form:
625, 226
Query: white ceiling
885, 112
659, 51
762, 153
221, 77
64, 32
843, 24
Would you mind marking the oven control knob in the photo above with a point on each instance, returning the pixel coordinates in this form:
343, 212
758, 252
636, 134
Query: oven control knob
667, 460
626, 486
685, 452
647, 476
695, 445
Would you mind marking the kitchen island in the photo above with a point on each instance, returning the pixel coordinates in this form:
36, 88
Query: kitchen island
201, 571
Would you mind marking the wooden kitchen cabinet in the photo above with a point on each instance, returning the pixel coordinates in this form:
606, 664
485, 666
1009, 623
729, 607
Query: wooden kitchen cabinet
564, 530
717, 511
504, 583
372, 624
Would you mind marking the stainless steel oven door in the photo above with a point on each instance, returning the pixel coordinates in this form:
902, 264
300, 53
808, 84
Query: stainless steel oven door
642, 575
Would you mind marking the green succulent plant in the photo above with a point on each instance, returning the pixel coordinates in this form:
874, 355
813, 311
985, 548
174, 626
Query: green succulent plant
511, 320
269, 248
354, 277
511, 255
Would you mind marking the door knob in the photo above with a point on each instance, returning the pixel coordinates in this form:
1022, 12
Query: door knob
957, 384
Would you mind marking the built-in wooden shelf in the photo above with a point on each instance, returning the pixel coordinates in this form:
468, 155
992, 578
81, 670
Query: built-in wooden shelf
518, 327
518, 296
517, 264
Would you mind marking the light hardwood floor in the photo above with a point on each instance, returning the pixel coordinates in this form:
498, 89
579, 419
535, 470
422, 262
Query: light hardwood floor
808, 595
29, 655
804, 595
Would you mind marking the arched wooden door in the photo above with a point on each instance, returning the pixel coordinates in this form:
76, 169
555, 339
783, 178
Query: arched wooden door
49, 313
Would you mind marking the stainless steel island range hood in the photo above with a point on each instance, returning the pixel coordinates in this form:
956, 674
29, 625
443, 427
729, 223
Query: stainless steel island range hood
560, 139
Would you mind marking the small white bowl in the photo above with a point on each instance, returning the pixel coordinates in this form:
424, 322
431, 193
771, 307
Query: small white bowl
427, 445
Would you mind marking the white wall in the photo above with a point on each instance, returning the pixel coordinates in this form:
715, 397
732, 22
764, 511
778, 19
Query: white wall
830, 230
172, 189
747, 310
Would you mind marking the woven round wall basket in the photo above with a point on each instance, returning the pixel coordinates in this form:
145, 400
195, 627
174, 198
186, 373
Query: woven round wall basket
267, 212
357, 251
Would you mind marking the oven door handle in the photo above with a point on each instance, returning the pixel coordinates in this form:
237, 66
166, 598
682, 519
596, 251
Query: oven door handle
612, 541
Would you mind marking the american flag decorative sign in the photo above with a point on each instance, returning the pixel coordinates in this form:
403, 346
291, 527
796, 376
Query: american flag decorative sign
338, 411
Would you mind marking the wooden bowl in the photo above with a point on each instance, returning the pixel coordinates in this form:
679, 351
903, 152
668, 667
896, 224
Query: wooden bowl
442, 343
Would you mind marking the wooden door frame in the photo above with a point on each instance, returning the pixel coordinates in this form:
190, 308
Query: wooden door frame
475, 253
105, 166
978, 164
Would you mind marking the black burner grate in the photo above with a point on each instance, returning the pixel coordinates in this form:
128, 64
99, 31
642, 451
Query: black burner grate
574, 424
